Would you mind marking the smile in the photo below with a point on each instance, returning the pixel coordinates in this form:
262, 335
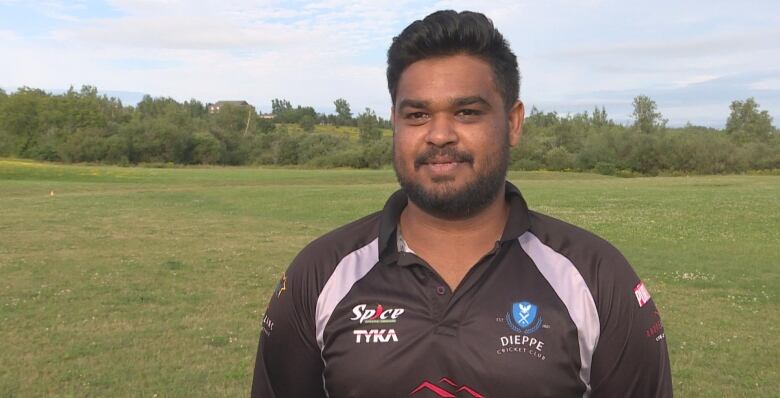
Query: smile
443, 165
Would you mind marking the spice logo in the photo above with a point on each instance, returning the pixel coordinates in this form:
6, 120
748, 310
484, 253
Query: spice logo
380, 314
446, 388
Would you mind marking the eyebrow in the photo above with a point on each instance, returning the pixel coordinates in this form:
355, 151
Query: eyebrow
413, 104
471, 100
460, 101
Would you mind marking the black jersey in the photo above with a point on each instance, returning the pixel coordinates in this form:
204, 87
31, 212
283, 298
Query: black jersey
551, 311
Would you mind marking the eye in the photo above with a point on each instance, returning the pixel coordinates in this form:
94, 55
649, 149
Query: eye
416, 115
416, 118
468, 112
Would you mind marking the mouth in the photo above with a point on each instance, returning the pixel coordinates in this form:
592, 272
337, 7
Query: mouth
443, 165
443, 168
442, 162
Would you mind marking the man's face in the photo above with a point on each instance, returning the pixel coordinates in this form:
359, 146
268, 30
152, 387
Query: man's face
452, 135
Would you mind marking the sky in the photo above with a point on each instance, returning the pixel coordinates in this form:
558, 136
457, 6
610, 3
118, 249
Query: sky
693, 58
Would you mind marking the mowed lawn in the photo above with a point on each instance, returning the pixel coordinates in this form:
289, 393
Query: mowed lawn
152, 282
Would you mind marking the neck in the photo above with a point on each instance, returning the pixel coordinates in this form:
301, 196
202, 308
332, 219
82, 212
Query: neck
478, 229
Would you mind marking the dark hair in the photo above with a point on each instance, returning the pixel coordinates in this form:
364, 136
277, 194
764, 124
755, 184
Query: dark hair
447, 32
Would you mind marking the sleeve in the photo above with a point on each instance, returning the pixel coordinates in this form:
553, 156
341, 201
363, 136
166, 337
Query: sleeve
631, 358
288, 360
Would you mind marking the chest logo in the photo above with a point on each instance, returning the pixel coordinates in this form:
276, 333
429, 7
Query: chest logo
379, 314
524, 317
375, 336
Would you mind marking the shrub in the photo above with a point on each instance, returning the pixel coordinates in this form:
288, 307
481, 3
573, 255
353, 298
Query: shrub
559, 158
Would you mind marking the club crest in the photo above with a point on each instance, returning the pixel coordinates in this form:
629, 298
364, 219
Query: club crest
524, 317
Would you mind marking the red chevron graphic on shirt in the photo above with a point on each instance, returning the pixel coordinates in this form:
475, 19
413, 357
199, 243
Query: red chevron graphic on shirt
441, 392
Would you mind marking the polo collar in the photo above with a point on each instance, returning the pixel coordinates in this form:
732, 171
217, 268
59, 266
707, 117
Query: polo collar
517, 223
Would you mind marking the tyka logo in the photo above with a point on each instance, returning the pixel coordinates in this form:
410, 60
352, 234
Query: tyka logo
380, 314
446, 388
375, 336
524, 317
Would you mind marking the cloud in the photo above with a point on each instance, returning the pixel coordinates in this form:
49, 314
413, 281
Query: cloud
8, 36
573, 54
190, 32
705, 102
772, 83
706, 46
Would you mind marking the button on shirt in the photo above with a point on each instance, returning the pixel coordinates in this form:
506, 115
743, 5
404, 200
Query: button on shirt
551, 311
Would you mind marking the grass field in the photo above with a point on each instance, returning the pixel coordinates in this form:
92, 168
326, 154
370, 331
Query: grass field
152, 282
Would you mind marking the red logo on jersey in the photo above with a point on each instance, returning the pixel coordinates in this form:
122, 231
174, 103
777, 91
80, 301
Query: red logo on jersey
641, 293
364, 314
446, 389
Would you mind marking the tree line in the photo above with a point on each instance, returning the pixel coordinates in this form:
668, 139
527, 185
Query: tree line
83, 126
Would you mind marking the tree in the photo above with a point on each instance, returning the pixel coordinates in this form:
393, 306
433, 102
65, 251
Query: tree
264, 125
599, 117
344, 113
747, 123
280, 106
307, 123
646, 117
368, 126
21, 118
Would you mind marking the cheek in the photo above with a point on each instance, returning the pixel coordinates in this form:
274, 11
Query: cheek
491, 151
403, 148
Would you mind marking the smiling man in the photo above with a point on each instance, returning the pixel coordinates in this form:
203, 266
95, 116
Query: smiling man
455, 288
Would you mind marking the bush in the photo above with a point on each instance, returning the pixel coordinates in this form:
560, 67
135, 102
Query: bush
207, 149
559, 158
605, 168
117, 150
307, 123
313, 146
377, 153
85, 145
348, 157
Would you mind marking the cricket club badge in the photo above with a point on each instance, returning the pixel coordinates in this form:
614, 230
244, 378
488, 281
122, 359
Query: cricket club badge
524, 317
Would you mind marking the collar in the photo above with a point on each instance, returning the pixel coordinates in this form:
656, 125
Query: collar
517, 222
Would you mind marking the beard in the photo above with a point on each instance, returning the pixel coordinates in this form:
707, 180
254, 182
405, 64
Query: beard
444, 200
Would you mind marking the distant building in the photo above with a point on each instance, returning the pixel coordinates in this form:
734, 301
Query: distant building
215, 107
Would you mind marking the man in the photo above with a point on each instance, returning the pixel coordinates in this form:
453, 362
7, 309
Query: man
455, 288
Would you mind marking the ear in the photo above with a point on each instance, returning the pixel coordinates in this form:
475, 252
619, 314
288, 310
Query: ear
516, 115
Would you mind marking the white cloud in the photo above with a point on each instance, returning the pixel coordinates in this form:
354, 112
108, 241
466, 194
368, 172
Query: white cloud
570, 52
767, 84
191, 32
695, 79
8, 36
704, 46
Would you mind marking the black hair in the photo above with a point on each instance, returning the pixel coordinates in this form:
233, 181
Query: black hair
447, 32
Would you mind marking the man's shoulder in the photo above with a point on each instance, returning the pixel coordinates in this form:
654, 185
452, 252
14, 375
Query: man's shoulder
601, 265
582, 247
325, 252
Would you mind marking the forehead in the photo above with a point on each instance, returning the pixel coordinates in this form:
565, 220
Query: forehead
443, 78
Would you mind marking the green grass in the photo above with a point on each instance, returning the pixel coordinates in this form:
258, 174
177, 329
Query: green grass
136, 281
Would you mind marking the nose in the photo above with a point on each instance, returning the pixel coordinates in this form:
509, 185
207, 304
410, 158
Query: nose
441, 131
